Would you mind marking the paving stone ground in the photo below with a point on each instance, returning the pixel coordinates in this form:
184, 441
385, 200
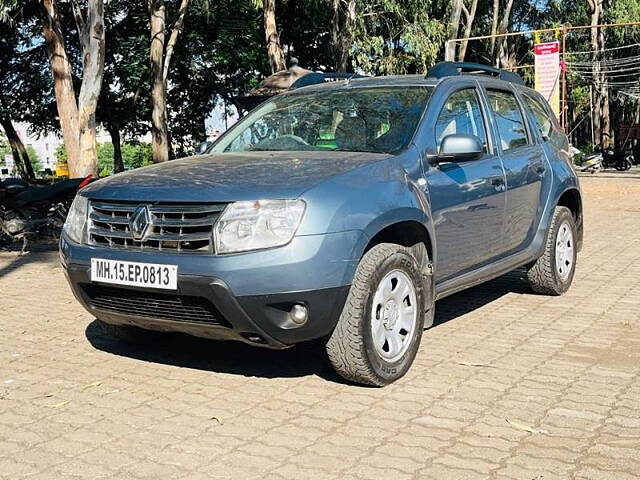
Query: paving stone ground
508, 384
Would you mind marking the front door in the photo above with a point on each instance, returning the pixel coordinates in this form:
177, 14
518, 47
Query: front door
467, 198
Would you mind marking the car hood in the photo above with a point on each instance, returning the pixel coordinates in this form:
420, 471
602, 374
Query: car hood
227, 177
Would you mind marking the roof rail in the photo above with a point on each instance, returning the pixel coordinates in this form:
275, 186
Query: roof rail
315, 78
448, 69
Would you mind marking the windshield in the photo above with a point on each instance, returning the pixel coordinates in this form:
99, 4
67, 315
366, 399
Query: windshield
380, 120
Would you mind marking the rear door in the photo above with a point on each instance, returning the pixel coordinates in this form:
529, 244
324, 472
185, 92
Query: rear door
524, 164
467, 198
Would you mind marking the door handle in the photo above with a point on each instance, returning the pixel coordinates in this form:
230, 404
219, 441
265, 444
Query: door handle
498, 184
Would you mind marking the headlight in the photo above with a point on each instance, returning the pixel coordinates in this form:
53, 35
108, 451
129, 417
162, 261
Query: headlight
257, 224
76, 219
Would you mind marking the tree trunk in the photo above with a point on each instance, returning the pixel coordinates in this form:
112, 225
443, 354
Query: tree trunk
62, 82
454, 25
118, 164
344, 13
470, 17
503, 58
600, 92
494, 28
26, 161
20, 155
93, 45
159, 134
173, 39
274, 49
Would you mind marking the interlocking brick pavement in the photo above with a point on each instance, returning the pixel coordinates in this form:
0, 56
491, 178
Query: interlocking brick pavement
500, 361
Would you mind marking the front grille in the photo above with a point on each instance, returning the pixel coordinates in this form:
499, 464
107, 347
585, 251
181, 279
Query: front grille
172, 228
180, 308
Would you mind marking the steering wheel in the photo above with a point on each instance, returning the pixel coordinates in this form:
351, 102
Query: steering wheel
285, 142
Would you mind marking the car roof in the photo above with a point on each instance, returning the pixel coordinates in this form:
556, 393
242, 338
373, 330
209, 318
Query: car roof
398, 81
364, 82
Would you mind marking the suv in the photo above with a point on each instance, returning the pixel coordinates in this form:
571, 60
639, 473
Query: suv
340, 212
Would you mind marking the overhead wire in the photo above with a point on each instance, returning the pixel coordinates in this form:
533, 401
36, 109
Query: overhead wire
607, 73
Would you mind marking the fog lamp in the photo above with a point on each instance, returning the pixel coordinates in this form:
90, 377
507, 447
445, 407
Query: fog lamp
299, 314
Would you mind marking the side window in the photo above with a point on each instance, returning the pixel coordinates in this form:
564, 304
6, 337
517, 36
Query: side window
509, 119
461, 115
545, 124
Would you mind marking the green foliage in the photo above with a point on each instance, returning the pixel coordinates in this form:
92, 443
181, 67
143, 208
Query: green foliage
26, 89
60, 154
396, 37
221, 53
5, 149
134, 155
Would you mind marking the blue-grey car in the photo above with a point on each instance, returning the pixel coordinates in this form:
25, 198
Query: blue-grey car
339, 212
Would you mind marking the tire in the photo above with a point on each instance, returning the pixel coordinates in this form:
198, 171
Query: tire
552, 274
127, 333
353, 350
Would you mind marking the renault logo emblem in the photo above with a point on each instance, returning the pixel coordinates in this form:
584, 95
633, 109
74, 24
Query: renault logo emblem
139, 222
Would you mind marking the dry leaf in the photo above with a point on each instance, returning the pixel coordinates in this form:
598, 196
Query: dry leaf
217, 419
61, 404
470, 364
91, 385
526, 428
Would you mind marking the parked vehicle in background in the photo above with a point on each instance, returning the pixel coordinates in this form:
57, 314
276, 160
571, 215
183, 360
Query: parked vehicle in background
341, 212
621, 160
586, 163
29, 210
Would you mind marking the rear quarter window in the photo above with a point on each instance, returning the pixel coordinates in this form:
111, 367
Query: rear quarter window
546, 120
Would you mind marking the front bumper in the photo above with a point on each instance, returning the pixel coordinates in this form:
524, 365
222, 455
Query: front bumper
274, 281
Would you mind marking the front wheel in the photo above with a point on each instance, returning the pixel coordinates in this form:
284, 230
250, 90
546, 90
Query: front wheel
553, 272
379, 331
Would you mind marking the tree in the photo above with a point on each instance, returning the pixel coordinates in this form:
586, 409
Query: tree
470, 15
23, 89
7, 149
344, 14
454, 25
274, 48
160, 54
396, 36
77, 116
601, 117
121, 107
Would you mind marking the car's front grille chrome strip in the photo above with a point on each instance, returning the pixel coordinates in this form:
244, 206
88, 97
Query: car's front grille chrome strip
168, 228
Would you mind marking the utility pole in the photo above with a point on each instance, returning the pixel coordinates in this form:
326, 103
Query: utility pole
593, 133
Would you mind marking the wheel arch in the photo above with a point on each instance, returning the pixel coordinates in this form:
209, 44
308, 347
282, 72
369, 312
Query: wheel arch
413, 233
406, 226
571, 198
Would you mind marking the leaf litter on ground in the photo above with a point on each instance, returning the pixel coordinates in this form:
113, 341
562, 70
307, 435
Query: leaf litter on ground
526, 428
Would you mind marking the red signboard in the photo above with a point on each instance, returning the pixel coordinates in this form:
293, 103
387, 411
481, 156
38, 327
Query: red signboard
547, 61
546, 48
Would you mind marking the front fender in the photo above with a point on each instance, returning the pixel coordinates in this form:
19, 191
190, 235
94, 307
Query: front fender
369, 199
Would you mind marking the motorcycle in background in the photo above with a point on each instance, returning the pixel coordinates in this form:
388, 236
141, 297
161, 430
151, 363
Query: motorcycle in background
586, 163
26, 211
621, 160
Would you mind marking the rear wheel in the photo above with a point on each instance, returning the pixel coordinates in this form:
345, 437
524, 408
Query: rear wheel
553, 272
378, 334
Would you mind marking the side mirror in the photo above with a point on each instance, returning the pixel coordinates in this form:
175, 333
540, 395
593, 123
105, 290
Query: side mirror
203, 147
460, 148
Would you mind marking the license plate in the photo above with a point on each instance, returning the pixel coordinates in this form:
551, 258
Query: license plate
135, 274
